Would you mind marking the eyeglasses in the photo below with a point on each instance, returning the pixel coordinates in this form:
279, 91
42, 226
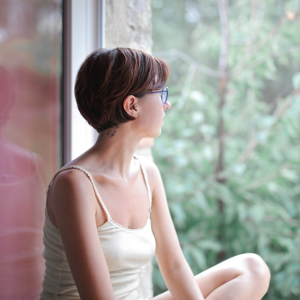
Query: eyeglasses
164, 95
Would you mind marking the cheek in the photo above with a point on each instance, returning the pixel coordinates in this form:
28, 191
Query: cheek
151, 123
154, 116
152, 113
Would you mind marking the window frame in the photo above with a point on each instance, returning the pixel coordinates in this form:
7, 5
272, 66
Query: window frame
83, 32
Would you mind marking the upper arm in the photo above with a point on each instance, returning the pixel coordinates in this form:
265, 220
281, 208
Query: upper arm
168, 251
72, 203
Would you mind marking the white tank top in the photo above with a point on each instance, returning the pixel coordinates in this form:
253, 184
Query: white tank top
127, 252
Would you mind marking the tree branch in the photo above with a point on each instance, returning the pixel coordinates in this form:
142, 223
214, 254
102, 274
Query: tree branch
266, 58
253, 50
183, 56
186, 87
256, 21
278, 25
253, 142
223, 70
256, 184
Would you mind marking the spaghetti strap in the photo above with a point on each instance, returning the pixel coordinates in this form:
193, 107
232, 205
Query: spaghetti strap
91, 180
147, 183
96, 191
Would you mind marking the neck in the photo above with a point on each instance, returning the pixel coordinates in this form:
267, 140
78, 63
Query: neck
114, 150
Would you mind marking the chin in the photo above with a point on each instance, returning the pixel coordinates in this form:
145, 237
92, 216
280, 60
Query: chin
158, 133
153, 132
153, 135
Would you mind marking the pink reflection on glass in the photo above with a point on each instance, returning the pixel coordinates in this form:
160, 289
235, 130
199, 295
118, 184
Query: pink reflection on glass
30, 51
21, 209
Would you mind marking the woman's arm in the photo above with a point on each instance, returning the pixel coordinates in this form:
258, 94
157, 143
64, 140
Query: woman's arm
177, 274
72, 202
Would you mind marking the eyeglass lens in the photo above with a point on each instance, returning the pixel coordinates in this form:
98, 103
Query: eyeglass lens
164, 96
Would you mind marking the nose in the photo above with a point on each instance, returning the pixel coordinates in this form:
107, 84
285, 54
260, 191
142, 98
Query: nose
167, 105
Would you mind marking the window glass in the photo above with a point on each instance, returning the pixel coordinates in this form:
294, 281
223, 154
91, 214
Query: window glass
30, 146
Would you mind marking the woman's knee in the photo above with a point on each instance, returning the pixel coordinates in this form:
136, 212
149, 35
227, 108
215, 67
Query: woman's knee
257, 269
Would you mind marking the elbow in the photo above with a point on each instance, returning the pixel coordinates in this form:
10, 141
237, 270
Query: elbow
174, 266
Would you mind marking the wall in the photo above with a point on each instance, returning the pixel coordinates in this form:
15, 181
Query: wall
128, 24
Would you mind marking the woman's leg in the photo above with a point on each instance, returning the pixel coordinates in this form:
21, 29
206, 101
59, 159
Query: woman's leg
243, 277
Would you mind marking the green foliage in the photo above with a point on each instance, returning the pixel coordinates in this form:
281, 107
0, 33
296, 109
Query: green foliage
243, 197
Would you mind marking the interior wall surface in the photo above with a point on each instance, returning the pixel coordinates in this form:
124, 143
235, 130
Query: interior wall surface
128, 24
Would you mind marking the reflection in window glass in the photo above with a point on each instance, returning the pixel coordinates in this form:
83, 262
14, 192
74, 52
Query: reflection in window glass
30, 62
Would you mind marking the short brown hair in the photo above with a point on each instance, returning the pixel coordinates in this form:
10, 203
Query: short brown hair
108, 76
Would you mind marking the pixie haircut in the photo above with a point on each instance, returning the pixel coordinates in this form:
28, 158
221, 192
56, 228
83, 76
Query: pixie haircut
108, 76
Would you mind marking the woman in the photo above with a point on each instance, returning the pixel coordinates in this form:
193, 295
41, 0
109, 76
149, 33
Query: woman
107, 213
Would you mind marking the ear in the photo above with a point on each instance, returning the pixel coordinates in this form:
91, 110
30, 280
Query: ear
130, 105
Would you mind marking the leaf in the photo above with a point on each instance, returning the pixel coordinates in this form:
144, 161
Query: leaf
290, 174
187, 254
198, 97
296, 81
257, 213
201, 202
242, 211
210, 245
178, 214
199, 257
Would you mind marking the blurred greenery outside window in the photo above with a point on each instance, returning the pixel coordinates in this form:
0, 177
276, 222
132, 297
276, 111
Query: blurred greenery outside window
230, 149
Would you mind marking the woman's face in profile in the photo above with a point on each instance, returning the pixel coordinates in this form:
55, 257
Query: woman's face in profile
152, 113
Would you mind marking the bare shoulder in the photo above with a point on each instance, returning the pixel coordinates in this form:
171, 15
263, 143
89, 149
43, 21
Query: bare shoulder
151, 169
70, 179
150, 165
155, 180
71, 194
